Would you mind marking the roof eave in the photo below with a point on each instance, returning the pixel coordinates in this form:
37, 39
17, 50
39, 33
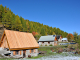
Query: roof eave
24, 48
46, 41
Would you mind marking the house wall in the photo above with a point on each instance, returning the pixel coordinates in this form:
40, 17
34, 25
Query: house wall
32, 53
55, 43
60, 39
46, 43
64, 40
13, 53
26, 53
4, 43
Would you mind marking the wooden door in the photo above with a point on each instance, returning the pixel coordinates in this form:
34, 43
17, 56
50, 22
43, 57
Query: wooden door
24, 53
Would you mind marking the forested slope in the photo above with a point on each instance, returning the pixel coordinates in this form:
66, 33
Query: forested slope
13, 22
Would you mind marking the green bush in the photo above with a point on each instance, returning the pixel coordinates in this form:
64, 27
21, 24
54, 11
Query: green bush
45, 45
50, 45
41, 44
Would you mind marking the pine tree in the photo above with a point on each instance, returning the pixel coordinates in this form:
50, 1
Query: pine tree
18, 25
27, 25
1, 12
13, 22
75, 36
43, 32
7, 19
78, 40
23, 22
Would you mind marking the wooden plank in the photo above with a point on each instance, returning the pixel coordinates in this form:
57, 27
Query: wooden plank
30, 51
24, 48
14, 52
34, 50
20, 52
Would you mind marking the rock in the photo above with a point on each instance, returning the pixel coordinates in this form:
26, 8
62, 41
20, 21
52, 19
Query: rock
52, 50
29, 56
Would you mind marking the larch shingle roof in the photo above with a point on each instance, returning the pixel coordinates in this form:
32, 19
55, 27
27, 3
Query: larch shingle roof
20, 40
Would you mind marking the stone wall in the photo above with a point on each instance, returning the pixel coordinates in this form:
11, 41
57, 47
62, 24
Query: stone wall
64, 40
32, 53
46, 43
27, 53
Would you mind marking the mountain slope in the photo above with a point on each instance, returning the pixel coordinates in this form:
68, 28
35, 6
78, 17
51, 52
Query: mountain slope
13, 22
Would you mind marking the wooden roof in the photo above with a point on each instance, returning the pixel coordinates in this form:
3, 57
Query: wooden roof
20, 40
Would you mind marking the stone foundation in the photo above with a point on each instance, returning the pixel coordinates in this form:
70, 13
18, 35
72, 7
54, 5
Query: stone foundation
46, 43
26, 53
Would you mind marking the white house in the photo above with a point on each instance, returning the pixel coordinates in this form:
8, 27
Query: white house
64, 40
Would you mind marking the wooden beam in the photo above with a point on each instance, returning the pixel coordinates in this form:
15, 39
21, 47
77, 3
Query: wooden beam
24, 48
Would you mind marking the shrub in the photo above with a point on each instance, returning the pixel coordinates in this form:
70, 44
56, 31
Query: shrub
41, 44
45, 45
50, 45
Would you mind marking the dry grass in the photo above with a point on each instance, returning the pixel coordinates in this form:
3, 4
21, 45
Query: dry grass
73, 46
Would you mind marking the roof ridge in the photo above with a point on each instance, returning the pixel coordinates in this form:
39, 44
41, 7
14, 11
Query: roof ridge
18, 31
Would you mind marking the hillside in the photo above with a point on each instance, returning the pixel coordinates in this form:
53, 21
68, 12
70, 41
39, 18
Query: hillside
1, 30
13, 22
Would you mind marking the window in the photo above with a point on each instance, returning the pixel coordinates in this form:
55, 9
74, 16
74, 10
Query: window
53, 35
17, 52
42, 42
20, 52
31, 51
48, 42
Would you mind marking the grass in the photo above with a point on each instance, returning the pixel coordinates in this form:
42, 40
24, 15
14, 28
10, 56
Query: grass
47, 51
48, 48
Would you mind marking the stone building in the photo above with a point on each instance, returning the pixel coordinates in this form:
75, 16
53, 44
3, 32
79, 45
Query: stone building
48, 40
19, 43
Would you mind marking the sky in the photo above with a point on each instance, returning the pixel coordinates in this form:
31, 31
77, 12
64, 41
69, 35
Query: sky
62, 14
